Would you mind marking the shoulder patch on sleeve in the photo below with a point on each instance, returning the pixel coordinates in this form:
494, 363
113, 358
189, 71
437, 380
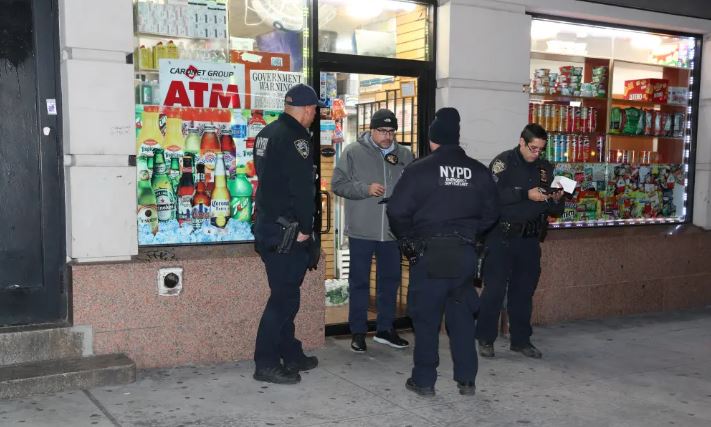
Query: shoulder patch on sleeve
302, 147
498, 166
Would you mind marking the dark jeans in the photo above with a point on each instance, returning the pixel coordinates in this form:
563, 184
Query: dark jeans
388, 275
457, 299
515, 261
285, 272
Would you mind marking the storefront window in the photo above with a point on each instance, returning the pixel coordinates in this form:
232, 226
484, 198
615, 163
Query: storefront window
209, 76
617, 106
383, 28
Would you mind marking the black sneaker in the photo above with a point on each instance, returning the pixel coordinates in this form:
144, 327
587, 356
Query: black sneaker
486, 349
358, 343
527, 350
277, 375
422, 391
390, 338
466, 388
306, 363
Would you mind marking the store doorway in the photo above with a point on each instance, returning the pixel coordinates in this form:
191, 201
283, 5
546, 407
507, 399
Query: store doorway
32, 248
353, 98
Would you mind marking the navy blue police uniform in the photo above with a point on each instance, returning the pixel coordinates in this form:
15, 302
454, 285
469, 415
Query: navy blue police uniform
445, 200
513, 246
283, 158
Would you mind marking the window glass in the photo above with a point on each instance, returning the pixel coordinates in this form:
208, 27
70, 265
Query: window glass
383, 28
209, 76
617, 106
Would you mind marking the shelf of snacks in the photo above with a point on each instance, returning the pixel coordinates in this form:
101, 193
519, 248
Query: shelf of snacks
618, 100
567, 99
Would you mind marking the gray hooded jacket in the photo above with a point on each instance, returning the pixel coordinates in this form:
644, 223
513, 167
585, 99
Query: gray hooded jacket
360, 165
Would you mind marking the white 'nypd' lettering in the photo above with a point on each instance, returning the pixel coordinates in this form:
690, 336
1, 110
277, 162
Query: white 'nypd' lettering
456, 176
457, 172
261, 144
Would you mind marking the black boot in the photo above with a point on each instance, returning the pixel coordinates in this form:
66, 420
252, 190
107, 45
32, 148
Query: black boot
277, 375
527, 350
305, 363
422, 391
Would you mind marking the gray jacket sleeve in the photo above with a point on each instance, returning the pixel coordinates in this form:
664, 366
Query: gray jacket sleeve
344, 183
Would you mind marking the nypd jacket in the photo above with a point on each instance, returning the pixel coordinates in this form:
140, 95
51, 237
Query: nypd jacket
514, 177
283, 157
443, 193
360, 165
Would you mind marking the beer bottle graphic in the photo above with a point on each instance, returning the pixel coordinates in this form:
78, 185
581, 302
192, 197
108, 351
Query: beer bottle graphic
149, 137
185, 192
174, 139
192, 142
174, 173
220, 197
147, 208
201, 201
163, 189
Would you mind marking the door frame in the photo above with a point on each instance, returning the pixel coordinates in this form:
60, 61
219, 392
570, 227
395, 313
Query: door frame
424, 71
55, 284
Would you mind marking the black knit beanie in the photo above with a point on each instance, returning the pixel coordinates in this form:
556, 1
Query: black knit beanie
383, 118
444, 129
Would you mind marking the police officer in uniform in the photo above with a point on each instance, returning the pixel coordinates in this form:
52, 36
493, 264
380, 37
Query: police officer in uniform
285, 201
513, 262
440, 206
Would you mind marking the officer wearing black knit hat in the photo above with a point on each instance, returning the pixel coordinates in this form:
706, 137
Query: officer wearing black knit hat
442, 204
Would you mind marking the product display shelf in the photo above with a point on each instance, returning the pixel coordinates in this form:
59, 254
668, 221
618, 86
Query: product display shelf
618, 100
157, 36
561, 98
560, 57
651, 64
645, 136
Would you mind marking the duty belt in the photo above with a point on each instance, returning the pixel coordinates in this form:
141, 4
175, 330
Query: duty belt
520, 229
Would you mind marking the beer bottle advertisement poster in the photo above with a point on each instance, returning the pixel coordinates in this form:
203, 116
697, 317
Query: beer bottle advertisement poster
196, 179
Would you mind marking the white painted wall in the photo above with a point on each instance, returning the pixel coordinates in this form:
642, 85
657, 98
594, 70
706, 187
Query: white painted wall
483, 62
98, 122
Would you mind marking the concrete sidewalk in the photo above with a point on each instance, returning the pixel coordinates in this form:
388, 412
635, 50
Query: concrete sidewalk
650, 370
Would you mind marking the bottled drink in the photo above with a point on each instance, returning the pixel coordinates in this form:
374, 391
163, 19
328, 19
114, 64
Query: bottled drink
186, 189
241, 202
201, 201
229, 150
174, 173
239, 126
550, 148
254, 126
563, 119
163, 189
147, 207
220, 197
209, 147
150, 136
192, 142
600, 148
174, 139
554, 118
586, 149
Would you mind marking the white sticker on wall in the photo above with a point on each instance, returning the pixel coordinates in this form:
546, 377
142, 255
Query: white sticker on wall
52, 106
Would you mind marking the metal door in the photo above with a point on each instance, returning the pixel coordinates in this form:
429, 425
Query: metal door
32, 242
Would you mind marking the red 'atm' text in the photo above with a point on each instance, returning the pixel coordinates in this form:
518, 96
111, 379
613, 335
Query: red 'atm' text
217, 97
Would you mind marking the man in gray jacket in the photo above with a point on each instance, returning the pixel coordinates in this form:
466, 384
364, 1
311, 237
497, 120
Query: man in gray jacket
365, 176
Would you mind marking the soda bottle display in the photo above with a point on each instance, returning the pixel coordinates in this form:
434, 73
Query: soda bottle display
174, 139
229, 150
201, 201
150, 136
192, 142
147, 207
254, 126
186, 189
220, 197
241, 202
209, 148
163, 189
550, 148
239, 126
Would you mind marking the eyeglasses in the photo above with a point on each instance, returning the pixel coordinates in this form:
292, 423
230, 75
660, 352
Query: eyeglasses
386, 131
534, 149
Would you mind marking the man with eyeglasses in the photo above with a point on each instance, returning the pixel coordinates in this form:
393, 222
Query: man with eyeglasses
513, 262
365, 175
